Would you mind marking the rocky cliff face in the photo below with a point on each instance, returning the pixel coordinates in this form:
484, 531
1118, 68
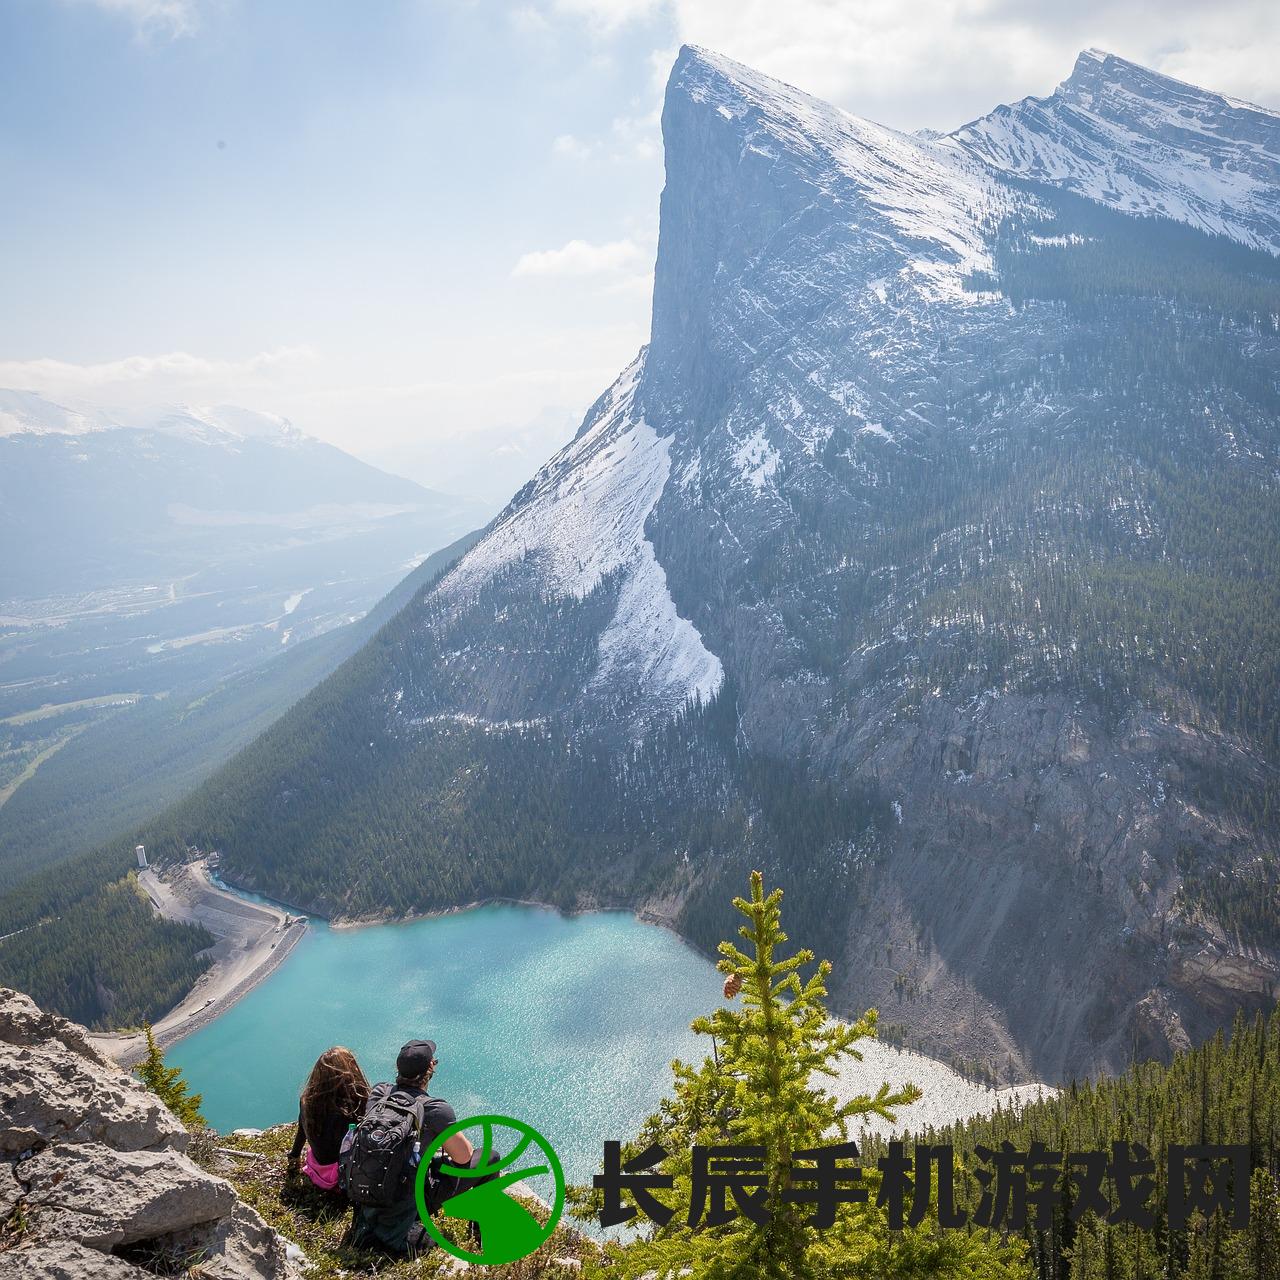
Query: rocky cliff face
95, 1181
926, 557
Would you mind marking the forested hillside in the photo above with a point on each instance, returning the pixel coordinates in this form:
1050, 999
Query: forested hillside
80, 937
86, 942
120, 771
1226, 1093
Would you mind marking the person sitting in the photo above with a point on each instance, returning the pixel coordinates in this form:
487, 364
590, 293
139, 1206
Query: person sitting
386, 1212
332, 1100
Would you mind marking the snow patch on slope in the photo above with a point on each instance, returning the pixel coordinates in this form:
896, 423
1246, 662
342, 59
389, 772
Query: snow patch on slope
583, 520
585, 514
650, 646
756, 459
948, 1096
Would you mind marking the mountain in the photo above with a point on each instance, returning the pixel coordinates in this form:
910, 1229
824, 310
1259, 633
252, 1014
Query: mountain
91, 504
148, 561
1146, 144
152, 553
115, 766
928, 557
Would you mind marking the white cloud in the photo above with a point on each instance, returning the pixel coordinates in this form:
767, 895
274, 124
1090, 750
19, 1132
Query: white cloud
637, 137
606, 15
581, 258
575, 148
942, 62
528, 19
144, 381
155, 17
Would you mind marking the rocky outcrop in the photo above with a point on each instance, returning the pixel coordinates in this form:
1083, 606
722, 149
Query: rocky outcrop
96, 1180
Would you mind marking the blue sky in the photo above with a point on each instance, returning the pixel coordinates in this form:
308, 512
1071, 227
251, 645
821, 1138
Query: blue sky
419, 227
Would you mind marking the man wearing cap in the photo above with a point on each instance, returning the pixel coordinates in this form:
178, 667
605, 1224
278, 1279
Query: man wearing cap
395, 1228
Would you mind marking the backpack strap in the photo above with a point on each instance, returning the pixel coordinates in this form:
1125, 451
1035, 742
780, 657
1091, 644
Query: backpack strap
377, 1094
417, 1108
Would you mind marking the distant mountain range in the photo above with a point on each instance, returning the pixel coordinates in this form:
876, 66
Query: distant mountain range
156, 557
496, 461
928, 557
88, 503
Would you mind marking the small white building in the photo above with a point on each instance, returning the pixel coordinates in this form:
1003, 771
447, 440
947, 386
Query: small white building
141, 851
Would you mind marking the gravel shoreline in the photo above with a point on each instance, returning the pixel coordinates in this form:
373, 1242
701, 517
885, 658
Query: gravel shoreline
252, 941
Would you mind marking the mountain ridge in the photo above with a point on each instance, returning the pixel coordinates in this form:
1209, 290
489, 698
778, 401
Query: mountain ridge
927, 560
1189, 154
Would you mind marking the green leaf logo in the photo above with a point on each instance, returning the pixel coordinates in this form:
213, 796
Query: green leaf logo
508, 1229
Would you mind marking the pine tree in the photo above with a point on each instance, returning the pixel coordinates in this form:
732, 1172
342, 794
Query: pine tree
758, 1089
168, 1085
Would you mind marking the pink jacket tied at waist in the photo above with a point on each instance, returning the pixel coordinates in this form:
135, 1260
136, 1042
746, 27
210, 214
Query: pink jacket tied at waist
325, 1176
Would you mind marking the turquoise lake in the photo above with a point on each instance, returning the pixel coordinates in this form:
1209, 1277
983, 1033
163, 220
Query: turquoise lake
568, 1023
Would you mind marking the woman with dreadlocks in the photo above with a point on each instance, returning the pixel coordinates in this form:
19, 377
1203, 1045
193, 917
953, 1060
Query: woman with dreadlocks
333, 1098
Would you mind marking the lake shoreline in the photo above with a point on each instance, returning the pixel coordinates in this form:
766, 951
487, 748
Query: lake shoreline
246, 954
646, 915
958, 1097
948, 1096
252, 941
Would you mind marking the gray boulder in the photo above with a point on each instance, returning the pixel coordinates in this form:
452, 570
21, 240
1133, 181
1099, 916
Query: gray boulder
94, 1179
65, 1260
105, 1198
52, 1094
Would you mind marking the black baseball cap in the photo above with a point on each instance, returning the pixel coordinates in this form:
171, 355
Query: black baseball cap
414, 1059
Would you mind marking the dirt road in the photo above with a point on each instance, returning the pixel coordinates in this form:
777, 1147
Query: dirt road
252, 940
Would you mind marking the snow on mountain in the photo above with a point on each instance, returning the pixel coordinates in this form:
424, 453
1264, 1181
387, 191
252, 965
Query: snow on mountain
1143, 143
29, 413
581, 519
217, 422
25, 412
931, 198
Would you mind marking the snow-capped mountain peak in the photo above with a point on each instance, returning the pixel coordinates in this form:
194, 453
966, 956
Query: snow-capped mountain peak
1144, 143
917, 193
27, 412
228, 420
30, 413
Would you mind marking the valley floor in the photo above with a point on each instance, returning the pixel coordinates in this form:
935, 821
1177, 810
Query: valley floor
252, 940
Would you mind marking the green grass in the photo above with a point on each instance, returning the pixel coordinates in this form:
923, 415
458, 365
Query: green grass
309, 1218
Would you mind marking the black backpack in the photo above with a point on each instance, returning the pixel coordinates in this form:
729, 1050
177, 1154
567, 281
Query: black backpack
377, 1166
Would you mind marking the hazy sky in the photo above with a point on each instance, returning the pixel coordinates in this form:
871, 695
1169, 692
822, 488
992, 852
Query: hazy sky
417, 227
